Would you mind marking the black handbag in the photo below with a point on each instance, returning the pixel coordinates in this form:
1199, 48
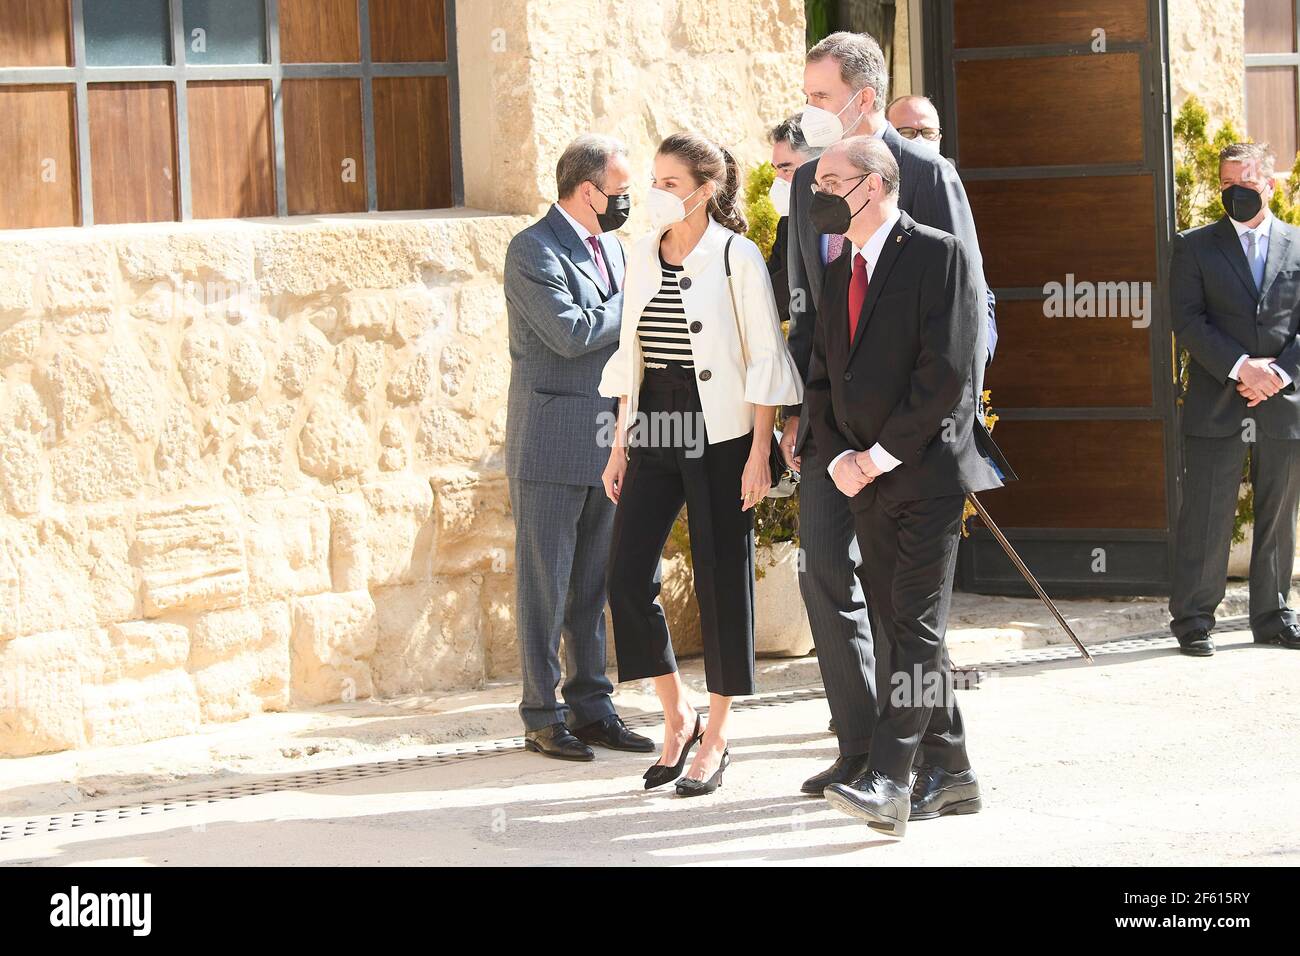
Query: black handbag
784, 479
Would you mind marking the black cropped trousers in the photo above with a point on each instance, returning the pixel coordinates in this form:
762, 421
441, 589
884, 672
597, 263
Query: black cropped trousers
662, 476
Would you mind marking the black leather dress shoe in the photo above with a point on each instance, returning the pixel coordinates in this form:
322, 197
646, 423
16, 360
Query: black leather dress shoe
938, 793
1289, 636
1196, 644
611, 732
876, 798
843, 770
556, 741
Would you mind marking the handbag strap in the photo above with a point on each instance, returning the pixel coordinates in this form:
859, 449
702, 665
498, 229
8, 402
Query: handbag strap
735, 313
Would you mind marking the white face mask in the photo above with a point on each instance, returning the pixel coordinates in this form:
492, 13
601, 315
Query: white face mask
823, 128
665, 209
780, 196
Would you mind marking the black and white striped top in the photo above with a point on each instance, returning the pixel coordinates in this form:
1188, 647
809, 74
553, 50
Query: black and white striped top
662, 331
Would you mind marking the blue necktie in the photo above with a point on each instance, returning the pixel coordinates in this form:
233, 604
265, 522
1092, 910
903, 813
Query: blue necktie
1255, 259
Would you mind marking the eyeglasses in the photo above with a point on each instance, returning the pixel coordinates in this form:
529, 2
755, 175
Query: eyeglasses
830, 184
932, 133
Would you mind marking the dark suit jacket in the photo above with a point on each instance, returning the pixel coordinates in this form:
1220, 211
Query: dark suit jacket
1219, 315
563, 329
778, 270
929, 191
909, 379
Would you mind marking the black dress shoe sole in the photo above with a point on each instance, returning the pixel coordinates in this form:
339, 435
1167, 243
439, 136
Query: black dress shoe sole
969, 805
578, 758
1276, 642
649, 746
1197, 651
808, 791
874, 820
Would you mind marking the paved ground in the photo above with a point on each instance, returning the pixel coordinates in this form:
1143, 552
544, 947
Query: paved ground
981, 628
1146, 757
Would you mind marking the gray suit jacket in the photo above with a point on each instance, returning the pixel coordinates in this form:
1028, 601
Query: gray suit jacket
1219, 315
563, 329
929, 191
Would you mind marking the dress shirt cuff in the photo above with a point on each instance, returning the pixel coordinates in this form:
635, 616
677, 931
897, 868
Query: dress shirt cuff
1237, 368
830, 469
883, 459
1277, 370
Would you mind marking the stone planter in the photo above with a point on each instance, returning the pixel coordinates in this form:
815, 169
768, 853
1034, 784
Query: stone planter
780, 618
1239, 557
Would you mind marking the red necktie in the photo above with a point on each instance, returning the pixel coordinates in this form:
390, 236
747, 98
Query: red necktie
857, 293
600, 260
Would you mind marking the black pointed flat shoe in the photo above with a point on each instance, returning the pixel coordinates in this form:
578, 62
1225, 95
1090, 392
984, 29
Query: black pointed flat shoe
660, 774
686, 787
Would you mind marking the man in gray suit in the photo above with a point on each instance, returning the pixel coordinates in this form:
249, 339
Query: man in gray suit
846, 86
1235, 291
564, 301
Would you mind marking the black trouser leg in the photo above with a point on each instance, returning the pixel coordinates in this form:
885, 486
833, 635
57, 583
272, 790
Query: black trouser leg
1275, 477
650, 499
722, 555
1211, 478
909, 557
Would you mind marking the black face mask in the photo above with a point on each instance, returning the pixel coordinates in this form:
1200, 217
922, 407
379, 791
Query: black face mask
1242, 203
616, 211
831, 214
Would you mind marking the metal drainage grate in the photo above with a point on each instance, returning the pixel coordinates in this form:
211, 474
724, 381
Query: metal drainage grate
311, 779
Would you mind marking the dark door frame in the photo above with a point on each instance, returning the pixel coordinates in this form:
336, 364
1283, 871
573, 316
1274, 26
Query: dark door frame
1141, 559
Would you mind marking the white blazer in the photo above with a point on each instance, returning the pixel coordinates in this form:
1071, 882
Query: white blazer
729, 389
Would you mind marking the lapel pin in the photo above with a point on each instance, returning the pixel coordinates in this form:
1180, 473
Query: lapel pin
898, 238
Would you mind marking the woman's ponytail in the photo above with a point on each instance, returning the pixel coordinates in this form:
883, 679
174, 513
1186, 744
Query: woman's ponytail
726, 208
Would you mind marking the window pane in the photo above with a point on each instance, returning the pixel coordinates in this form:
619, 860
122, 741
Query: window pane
403, 31
1270, 26
127, 33
133, 151
231, 169
412, 142
38, 164
324, 153
319, 31
225, 31
34, 33
1271, 110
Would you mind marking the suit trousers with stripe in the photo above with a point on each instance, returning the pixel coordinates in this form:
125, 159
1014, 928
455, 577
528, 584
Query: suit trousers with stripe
909, 557
1211, 477
561, 549
660, 478
837, 607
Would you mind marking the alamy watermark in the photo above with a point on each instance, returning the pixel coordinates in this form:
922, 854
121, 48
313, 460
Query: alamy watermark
684, 430
1073, 299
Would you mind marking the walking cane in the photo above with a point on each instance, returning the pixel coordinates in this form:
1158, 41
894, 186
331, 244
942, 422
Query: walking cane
1028, 575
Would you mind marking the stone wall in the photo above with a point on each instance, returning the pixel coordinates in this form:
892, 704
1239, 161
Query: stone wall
1207, 57
250, 466
535, 74
247, 467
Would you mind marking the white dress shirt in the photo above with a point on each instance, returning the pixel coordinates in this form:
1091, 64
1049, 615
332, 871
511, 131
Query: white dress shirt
1262, 232
870, 254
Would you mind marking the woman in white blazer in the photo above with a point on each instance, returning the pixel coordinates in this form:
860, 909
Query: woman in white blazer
700, 370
